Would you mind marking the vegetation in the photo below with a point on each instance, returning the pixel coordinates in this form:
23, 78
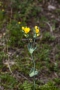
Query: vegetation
17, 19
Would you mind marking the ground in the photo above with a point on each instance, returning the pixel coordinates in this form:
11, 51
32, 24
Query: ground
15, 60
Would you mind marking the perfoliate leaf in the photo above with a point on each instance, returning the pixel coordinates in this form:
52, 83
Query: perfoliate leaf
33, 72
31, 48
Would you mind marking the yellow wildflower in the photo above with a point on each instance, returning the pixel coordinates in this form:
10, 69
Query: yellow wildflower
23, 28
37, 30
36, 27
26, 30
19, 22
38, 34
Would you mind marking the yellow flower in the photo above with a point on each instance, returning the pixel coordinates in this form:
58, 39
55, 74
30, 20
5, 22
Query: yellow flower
19, 22
26, 30
23, 28
36, 27
37, 30
38, 34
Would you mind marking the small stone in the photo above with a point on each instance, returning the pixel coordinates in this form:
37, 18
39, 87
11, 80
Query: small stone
51, 7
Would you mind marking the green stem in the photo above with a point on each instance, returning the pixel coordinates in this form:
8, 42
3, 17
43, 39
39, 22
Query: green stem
34, 70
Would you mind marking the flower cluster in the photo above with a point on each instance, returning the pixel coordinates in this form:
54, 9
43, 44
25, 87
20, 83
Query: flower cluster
36, 31
26, 30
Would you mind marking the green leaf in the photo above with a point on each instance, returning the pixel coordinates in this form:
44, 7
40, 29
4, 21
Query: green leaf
33, 72
31, 49
35, 35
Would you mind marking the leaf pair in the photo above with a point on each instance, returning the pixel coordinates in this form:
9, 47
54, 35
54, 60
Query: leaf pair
33, 72
31, 49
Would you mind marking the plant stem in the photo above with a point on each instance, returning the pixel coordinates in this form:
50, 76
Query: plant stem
34, 70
